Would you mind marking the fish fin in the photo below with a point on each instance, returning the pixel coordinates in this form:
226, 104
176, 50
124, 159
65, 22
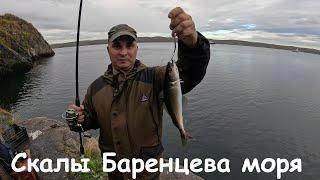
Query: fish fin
184, 101
165, 108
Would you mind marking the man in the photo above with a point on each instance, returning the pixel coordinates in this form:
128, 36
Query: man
126, 103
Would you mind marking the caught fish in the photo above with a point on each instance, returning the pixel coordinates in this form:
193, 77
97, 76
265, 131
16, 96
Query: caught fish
173, 99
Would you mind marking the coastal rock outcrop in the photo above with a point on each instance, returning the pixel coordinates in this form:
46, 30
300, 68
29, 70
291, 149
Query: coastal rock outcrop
20, 45
50, 138
56, 141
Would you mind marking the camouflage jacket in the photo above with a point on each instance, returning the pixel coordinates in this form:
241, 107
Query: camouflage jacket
128, 109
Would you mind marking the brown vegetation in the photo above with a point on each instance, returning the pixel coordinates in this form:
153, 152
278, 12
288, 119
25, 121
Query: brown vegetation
20, 45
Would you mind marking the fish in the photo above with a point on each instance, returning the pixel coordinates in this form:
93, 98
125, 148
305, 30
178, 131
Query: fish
173, 99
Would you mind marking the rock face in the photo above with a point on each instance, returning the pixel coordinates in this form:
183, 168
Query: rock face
56, 141
20, 45
52, 139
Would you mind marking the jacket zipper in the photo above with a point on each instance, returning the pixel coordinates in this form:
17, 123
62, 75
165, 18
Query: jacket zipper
126, 97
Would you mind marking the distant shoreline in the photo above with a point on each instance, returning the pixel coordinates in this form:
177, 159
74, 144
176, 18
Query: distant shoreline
166, 39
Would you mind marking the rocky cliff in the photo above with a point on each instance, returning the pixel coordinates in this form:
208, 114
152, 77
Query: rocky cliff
20, 45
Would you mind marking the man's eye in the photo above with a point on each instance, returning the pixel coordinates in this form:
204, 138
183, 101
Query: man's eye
116, 46
130, 45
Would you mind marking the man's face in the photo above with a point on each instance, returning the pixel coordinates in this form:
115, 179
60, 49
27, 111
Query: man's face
123, 53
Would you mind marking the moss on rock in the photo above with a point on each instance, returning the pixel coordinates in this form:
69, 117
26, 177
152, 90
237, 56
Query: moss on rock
6, 119
20, 45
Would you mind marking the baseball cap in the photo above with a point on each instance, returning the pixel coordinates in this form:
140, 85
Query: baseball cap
120, 30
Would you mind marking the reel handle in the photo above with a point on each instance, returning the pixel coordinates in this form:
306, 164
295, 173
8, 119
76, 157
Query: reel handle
71, 116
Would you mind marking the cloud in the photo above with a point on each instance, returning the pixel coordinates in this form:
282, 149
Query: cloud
248, 26
311, 41
278, 20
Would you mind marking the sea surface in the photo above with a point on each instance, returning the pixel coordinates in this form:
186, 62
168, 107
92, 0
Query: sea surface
253, 103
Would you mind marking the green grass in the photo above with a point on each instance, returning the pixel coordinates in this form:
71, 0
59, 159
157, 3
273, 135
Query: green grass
2, 38
95, 164
12, 31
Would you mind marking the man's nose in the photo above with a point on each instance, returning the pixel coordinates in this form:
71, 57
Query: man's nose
123, 51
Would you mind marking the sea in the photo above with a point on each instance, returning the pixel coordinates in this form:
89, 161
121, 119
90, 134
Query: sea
252, 103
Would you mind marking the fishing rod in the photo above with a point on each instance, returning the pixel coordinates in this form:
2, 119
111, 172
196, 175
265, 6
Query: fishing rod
77, 100
71, 115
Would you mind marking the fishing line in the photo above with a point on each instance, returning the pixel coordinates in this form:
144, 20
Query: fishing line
175, 47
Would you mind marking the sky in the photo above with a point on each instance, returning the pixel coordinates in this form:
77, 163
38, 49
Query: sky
285, 22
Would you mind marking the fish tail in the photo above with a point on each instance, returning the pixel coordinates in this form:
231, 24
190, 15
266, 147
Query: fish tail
185, 137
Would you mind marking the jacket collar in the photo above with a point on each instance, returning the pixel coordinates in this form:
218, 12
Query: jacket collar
138, 66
